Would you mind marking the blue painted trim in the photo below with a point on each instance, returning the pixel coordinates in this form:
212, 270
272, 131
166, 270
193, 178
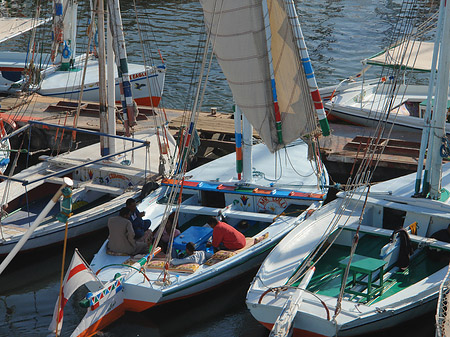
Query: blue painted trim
206, 186
238, 137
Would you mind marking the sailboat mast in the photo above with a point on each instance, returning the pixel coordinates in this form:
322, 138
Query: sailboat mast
247, 128
427, 117
440, 108
238, 139
272, 73
122, 65
111, 93
307, 67
104, 142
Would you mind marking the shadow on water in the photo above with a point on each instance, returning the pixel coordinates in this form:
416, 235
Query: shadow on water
221, 312
31, 270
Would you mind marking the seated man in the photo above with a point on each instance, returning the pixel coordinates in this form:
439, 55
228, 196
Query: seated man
165, 237
192, 256
225, 236
140, 226
121, 235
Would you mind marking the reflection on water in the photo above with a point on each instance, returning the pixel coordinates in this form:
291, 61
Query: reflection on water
338, 33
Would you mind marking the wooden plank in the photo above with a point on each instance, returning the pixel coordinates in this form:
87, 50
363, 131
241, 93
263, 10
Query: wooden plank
219, 123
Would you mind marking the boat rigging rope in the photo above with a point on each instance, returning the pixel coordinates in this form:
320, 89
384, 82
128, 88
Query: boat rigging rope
177, 187
91, 30
8, 182
371, 158
160, 119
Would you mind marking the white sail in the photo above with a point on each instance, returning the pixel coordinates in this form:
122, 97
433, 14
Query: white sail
239, 39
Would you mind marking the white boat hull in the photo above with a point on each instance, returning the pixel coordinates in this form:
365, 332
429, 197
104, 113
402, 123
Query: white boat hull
348, 106
315, 315
67, 84
107, 185
140, 294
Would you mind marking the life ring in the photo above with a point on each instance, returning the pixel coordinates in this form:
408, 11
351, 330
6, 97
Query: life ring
66, 52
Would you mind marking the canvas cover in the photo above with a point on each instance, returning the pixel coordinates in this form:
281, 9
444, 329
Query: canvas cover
413, 54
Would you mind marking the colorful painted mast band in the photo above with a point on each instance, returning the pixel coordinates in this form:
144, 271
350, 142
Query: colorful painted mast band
238, 139
306, 62
272, 73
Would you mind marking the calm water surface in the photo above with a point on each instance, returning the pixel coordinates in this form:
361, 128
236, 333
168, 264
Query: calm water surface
338, 33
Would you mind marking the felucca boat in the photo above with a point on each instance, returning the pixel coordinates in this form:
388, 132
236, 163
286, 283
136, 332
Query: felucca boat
351, 269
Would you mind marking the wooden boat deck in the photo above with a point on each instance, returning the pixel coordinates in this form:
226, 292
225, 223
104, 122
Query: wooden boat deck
341, 151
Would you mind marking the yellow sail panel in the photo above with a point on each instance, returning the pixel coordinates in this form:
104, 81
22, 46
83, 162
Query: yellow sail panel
294, 97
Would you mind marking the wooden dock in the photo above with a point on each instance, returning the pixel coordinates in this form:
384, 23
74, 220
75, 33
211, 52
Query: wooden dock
341, 152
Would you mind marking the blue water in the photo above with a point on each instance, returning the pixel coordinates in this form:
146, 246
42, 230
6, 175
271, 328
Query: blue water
339, 34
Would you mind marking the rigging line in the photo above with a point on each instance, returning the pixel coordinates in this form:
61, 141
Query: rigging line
155, 117
307, 263
91, 29
145, 61
293, 167
7, 188
378, 157
188, 140
370, 174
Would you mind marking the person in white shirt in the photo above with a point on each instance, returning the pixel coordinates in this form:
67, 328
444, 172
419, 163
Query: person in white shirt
193, 256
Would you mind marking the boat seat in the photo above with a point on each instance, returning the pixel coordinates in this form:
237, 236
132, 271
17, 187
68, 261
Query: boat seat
370, 268
60, 181
200, 210
387, 232
265, 217
104, 188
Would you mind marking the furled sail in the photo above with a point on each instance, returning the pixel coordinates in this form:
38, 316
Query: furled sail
12, 27
240, 41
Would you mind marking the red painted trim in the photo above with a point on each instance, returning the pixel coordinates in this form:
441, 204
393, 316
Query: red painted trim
137, 306
76, 270
341, 119
297, 332
146, 101
12, 69
104, 321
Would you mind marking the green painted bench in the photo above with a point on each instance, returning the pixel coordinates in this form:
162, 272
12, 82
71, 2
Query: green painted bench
366, 266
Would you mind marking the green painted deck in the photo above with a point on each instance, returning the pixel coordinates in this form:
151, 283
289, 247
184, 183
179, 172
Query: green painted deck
419, 267
327, 278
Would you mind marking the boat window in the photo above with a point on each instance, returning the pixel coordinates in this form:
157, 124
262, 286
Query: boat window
213, 199
392, 218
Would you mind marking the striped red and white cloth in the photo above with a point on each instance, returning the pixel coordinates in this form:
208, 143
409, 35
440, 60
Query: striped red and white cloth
77, 275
